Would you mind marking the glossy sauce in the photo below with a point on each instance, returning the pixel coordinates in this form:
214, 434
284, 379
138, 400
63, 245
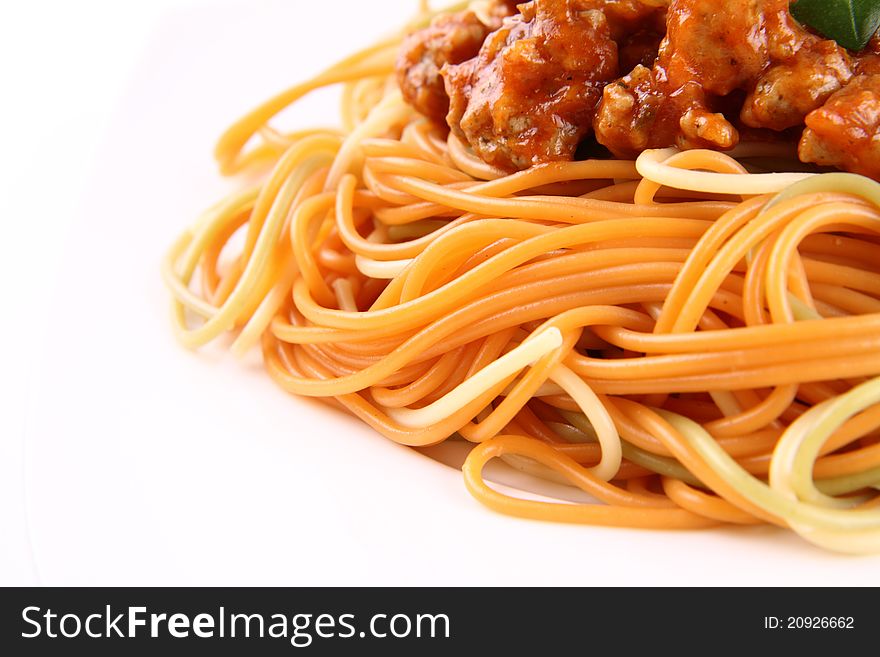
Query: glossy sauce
699, 74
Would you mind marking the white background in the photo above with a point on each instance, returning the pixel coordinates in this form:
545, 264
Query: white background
64, 67
124, 459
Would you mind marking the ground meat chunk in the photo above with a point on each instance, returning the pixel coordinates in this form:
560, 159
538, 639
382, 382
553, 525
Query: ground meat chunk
626, 17
636, 113
788, 91
530, 94
715, 51
493, 12
719, 44
868, 61
845, 132
711, 48
450, 39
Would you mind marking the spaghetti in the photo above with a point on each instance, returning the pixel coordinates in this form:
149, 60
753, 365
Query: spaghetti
688, 339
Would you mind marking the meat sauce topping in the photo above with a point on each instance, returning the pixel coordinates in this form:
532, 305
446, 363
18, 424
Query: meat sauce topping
449, 39
529, 82
530, 94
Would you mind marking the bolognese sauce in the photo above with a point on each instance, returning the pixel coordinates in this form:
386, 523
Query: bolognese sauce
529, 84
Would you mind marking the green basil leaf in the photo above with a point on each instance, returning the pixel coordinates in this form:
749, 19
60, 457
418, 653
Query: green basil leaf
851, 23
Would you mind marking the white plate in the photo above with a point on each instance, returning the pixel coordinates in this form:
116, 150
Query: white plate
148, 464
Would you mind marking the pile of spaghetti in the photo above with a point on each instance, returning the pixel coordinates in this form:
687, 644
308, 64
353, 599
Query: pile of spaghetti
688, 339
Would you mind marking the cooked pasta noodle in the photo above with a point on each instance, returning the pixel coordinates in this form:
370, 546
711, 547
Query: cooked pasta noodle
689, 343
